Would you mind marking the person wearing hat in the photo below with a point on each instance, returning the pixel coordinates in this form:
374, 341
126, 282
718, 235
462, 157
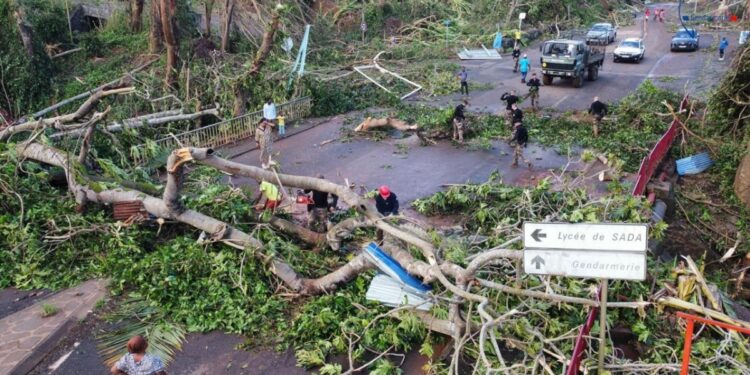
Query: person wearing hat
524, 65
386, 201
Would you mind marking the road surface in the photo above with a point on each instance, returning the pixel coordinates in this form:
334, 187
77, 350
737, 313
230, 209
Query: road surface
696, 71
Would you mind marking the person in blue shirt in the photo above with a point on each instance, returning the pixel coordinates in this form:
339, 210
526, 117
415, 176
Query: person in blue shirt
722, 46
524, 65
463, 76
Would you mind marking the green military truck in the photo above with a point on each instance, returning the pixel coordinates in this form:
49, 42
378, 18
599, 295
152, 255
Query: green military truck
571, 59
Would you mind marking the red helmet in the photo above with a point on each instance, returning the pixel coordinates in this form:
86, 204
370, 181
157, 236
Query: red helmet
384, 191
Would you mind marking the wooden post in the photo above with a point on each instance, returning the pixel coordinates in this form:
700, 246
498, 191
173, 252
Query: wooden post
603, 325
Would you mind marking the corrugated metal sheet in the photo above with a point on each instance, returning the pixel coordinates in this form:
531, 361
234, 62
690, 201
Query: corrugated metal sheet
123, 211
390, 292
694, 164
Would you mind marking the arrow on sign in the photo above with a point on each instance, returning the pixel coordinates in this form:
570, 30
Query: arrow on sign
537, 234
537, 261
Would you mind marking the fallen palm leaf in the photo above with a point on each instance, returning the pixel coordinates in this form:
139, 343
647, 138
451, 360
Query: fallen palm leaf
138, 318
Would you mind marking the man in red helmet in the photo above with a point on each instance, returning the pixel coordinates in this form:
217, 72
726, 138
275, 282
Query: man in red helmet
386, 201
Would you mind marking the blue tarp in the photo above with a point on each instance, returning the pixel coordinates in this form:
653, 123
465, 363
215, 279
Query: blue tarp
694, 164
498, 43
390, 267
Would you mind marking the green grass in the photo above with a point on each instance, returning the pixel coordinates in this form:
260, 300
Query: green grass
49, 310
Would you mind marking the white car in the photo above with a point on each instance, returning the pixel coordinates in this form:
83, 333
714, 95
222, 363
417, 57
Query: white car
630, 49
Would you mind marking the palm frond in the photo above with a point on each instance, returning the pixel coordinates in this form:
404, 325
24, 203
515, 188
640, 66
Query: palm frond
137, 317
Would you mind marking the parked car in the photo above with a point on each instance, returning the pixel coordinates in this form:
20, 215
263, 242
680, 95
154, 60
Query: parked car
685, 39
631, 49
601, 32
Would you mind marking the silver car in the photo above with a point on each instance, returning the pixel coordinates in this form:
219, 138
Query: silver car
630, 49
601, 32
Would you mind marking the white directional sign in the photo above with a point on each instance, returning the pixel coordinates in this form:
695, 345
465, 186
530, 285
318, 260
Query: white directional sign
587, 264
601, 237
608, 251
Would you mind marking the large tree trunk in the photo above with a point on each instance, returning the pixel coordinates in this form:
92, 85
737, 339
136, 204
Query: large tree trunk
208, 6
217, 230
26, 32
136, 12
226, 25
156, 36
171, 40
241, 92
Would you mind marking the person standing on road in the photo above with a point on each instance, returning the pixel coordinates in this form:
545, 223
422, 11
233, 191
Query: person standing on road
661, 15
648, 13
459, 121
516, 55
524, 65
509, 100
269, 110
521, 139
463, 76
264, 139
598, 110
722, 46
386, 201
533, 90
281, 123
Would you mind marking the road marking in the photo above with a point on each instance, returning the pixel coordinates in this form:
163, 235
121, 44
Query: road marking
557, 103
651, 72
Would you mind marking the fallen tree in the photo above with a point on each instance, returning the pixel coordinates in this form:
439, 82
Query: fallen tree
153, 119
62, 122
370, 123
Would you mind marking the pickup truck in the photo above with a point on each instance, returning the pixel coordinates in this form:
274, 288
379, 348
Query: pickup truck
571, 59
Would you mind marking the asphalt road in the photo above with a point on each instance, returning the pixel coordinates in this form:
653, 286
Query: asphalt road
694, 71
412, 171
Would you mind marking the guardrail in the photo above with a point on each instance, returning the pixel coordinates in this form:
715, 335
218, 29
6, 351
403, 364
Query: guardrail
655, 157
227, 131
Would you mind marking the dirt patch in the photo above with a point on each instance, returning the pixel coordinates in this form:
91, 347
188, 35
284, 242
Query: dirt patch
13, 300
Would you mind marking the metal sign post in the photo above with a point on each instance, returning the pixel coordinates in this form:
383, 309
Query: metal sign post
602, 251
602, 325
